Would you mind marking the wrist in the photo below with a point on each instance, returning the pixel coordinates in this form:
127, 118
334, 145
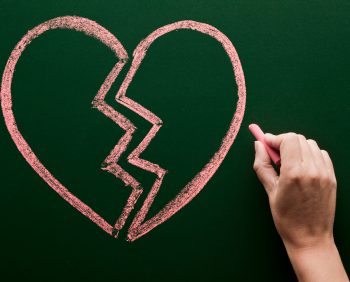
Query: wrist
310, 247
317, 262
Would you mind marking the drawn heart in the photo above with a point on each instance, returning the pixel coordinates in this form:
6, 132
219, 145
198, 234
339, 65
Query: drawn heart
139, 226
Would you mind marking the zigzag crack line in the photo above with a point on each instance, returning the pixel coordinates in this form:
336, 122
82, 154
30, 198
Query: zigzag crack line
110, 164
134, 156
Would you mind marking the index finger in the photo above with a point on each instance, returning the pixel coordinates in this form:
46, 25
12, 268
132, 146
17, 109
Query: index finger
289, 146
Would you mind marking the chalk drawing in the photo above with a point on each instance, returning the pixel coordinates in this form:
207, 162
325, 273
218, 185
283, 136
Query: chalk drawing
139, 225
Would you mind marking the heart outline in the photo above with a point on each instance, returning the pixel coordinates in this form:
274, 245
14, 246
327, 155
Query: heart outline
137, 228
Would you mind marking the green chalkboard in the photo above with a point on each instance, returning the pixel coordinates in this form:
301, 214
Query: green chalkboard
295, 58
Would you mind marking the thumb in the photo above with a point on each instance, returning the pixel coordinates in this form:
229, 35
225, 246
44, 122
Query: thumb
263, 167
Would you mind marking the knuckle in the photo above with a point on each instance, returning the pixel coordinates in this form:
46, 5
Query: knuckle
313, 176
294, 174
331, 181
325, 179
334, 182
301, 137
256, 166
291, 135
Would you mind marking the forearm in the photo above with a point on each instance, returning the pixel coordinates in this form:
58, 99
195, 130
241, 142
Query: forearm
318, 264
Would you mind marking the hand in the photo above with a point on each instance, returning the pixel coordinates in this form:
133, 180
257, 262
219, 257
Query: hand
302, 198
302, 201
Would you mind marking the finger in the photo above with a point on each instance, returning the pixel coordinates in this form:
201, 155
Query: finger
263, 168
274, 141
318, 158
277, 141
329, 164
306, 152
289, 146
291, 152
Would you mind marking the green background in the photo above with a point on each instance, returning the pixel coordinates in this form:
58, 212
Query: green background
295, 56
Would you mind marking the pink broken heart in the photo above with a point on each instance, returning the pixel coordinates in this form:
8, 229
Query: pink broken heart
139, 226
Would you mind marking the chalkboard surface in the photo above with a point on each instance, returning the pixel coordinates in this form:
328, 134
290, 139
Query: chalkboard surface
295, 58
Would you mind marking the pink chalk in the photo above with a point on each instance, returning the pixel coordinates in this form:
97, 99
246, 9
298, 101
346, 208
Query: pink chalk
260, 136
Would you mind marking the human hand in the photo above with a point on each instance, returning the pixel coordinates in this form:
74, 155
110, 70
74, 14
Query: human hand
302, 201
302, 197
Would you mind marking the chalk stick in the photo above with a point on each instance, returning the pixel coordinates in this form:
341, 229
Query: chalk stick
259, 135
